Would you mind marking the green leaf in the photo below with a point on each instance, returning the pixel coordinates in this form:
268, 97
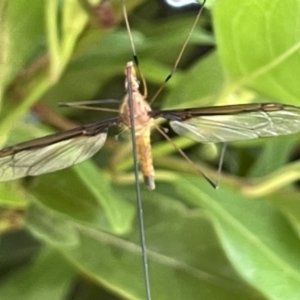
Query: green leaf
256, 238
48, 277
25, 38
273, 156
85, 196
208, 75
259, 46
188, 254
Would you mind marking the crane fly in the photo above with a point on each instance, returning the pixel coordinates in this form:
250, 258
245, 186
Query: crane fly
216, 124
203, 124
213, 124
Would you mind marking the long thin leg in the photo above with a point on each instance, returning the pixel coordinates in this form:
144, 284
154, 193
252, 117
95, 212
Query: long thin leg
138, 189
180, 53
135, 57
213, 184
220, 165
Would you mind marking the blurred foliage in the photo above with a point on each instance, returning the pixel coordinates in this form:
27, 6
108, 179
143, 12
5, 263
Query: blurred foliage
73, 234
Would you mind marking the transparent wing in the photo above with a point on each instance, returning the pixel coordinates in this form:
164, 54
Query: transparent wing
53, 152
239, 124
49, 158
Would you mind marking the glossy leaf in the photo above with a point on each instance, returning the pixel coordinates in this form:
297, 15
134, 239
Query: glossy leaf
256, 238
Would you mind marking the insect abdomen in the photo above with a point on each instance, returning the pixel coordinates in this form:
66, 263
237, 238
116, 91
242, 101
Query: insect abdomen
145, 157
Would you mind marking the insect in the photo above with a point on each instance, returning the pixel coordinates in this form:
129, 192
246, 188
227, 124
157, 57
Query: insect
203, 124
214, 124
217, 124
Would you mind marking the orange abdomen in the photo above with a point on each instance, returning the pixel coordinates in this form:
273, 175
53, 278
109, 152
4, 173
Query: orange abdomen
145, 158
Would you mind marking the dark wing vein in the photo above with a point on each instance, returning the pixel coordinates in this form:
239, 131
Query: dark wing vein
53, 152
233, 122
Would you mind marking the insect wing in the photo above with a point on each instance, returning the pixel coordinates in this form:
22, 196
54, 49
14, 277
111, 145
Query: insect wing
270, 121
50, 158
54, 152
